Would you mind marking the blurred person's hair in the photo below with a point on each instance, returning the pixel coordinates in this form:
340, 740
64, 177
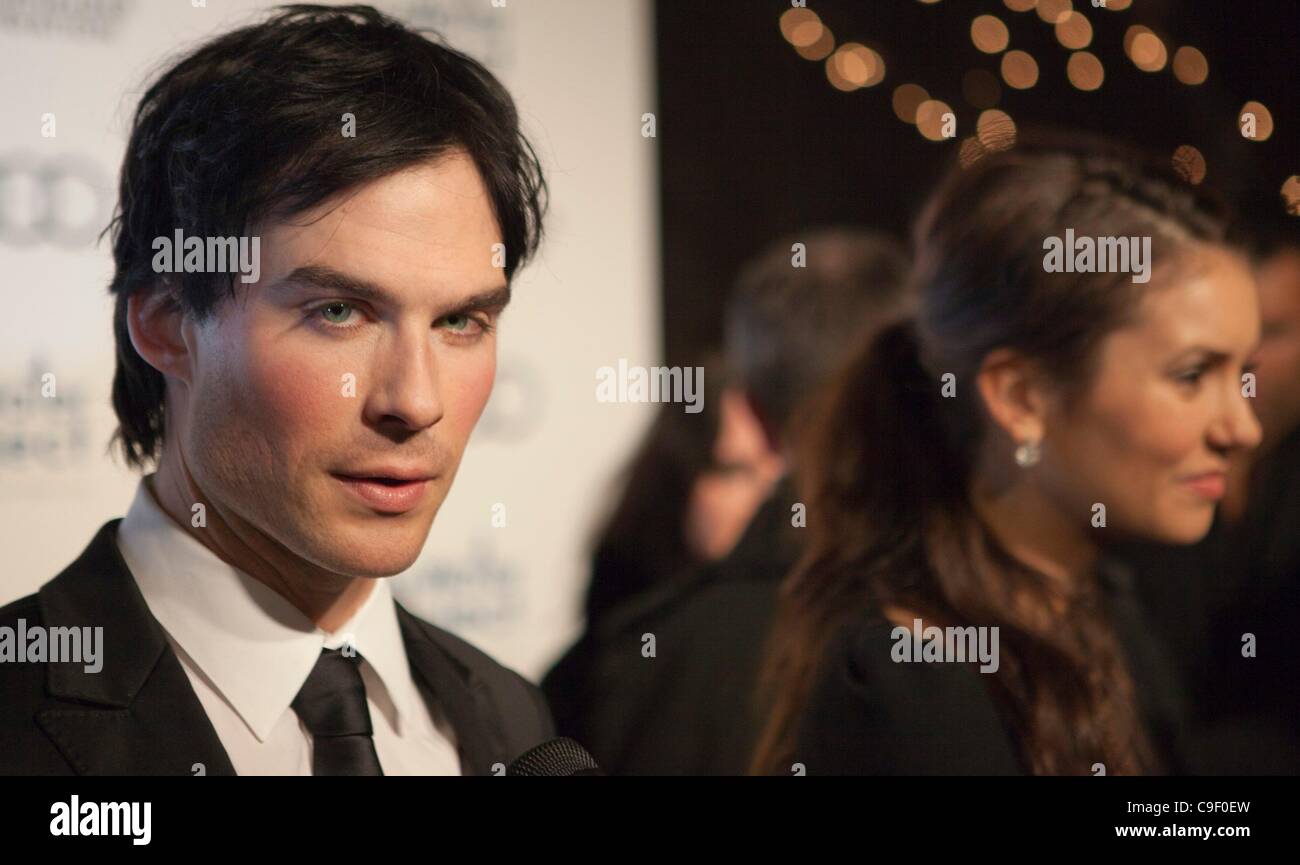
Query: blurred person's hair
1263, 226
643, 541
248, 128
788, 329
887, 470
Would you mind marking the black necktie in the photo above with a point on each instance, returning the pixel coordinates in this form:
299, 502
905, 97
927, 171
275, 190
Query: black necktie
332, 704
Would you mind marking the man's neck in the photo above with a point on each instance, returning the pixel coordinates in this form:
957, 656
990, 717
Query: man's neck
328, 599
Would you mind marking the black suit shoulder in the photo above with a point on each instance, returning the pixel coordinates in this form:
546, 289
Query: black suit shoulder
520, 704
132, 711
26, 750
871, 715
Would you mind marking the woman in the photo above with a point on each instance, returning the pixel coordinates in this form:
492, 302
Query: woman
974, 462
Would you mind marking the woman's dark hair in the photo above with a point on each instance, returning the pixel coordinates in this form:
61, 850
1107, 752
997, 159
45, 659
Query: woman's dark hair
250, 126
887, 472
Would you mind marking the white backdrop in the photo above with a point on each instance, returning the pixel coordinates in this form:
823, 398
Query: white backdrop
581, 74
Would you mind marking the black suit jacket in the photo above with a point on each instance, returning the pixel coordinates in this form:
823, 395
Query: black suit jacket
138, 715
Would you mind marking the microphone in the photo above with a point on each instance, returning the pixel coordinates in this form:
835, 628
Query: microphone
557, 758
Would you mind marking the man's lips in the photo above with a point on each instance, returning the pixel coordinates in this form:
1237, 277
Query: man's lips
388, 495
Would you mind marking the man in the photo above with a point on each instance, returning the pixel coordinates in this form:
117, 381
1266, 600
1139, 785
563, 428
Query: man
666, 684
306, 415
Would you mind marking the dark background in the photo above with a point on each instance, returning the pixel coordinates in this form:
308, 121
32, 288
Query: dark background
756, 143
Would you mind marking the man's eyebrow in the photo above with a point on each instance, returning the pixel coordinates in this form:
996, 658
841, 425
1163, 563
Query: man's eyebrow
321, 276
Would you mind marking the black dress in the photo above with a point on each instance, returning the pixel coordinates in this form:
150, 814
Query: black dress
870, 715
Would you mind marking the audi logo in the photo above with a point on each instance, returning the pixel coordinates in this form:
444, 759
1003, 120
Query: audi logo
63, 200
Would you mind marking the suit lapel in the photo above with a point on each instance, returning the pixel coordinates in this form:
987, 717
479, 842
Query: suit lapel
453, 689
138, 715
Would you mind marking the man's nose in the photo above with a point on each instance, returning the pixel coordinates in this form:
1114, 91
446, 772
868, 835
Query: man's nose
405, 388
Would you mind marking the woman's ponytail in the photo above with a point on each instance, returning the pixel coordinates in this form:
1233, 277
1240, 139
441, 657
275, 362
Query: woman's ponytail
876, 456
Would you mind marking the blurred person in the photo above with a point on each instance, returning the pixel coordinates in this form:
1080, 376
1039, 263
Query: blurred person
955, 612
685, 498
1277, 271
665, 684
1242, 581
675, 505
247, 625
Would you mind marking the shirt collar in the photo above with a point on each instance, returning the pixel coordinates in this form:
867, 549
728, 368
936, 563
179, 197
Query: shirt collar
230, 623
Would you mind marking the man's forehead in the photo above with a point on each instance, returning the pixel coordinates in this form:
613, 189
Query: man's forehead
415, 234
436, 208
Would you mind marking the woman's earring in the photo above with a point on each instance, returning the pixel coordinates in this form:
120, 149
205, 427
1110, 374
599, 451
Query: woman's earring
1028, 454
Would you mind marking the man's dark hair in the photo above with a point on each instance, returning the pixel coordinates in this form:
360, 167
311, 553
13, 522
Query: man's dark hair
788, 328
250, 127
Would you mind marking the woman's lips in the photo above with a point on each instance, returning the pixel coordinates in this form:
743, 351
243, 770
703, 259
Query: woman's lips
1212, 486
387, 497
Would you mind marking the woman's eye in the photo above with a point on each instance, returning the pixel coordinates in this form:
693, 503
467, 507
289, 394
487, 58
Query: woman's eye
1192, 376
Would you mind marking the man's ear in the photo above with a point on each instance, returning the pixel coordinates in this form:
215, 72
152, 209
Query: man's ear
1014, 395
157, 325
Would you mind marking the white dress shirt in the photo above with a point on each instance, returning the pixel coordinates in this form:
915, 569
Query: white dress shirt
247, 651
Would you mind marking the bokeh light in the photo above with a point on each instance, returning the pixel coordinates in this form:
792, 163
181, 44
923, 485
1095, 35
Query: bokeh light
801, 27
1019, 70
971, 151
853, 66
819, 50
1263, 120
877, 68
1145, 49
1054, 11
1291, 194
930, 118
1190, 66
989, 34
1085, 71
1074, 31
1189, 164
1129, 34
907, 98
995, 130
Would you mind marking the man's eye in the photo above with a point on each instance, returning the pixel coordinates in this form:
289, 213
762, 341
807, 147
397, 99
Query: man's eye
463, 324
336, 313
1192, 376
